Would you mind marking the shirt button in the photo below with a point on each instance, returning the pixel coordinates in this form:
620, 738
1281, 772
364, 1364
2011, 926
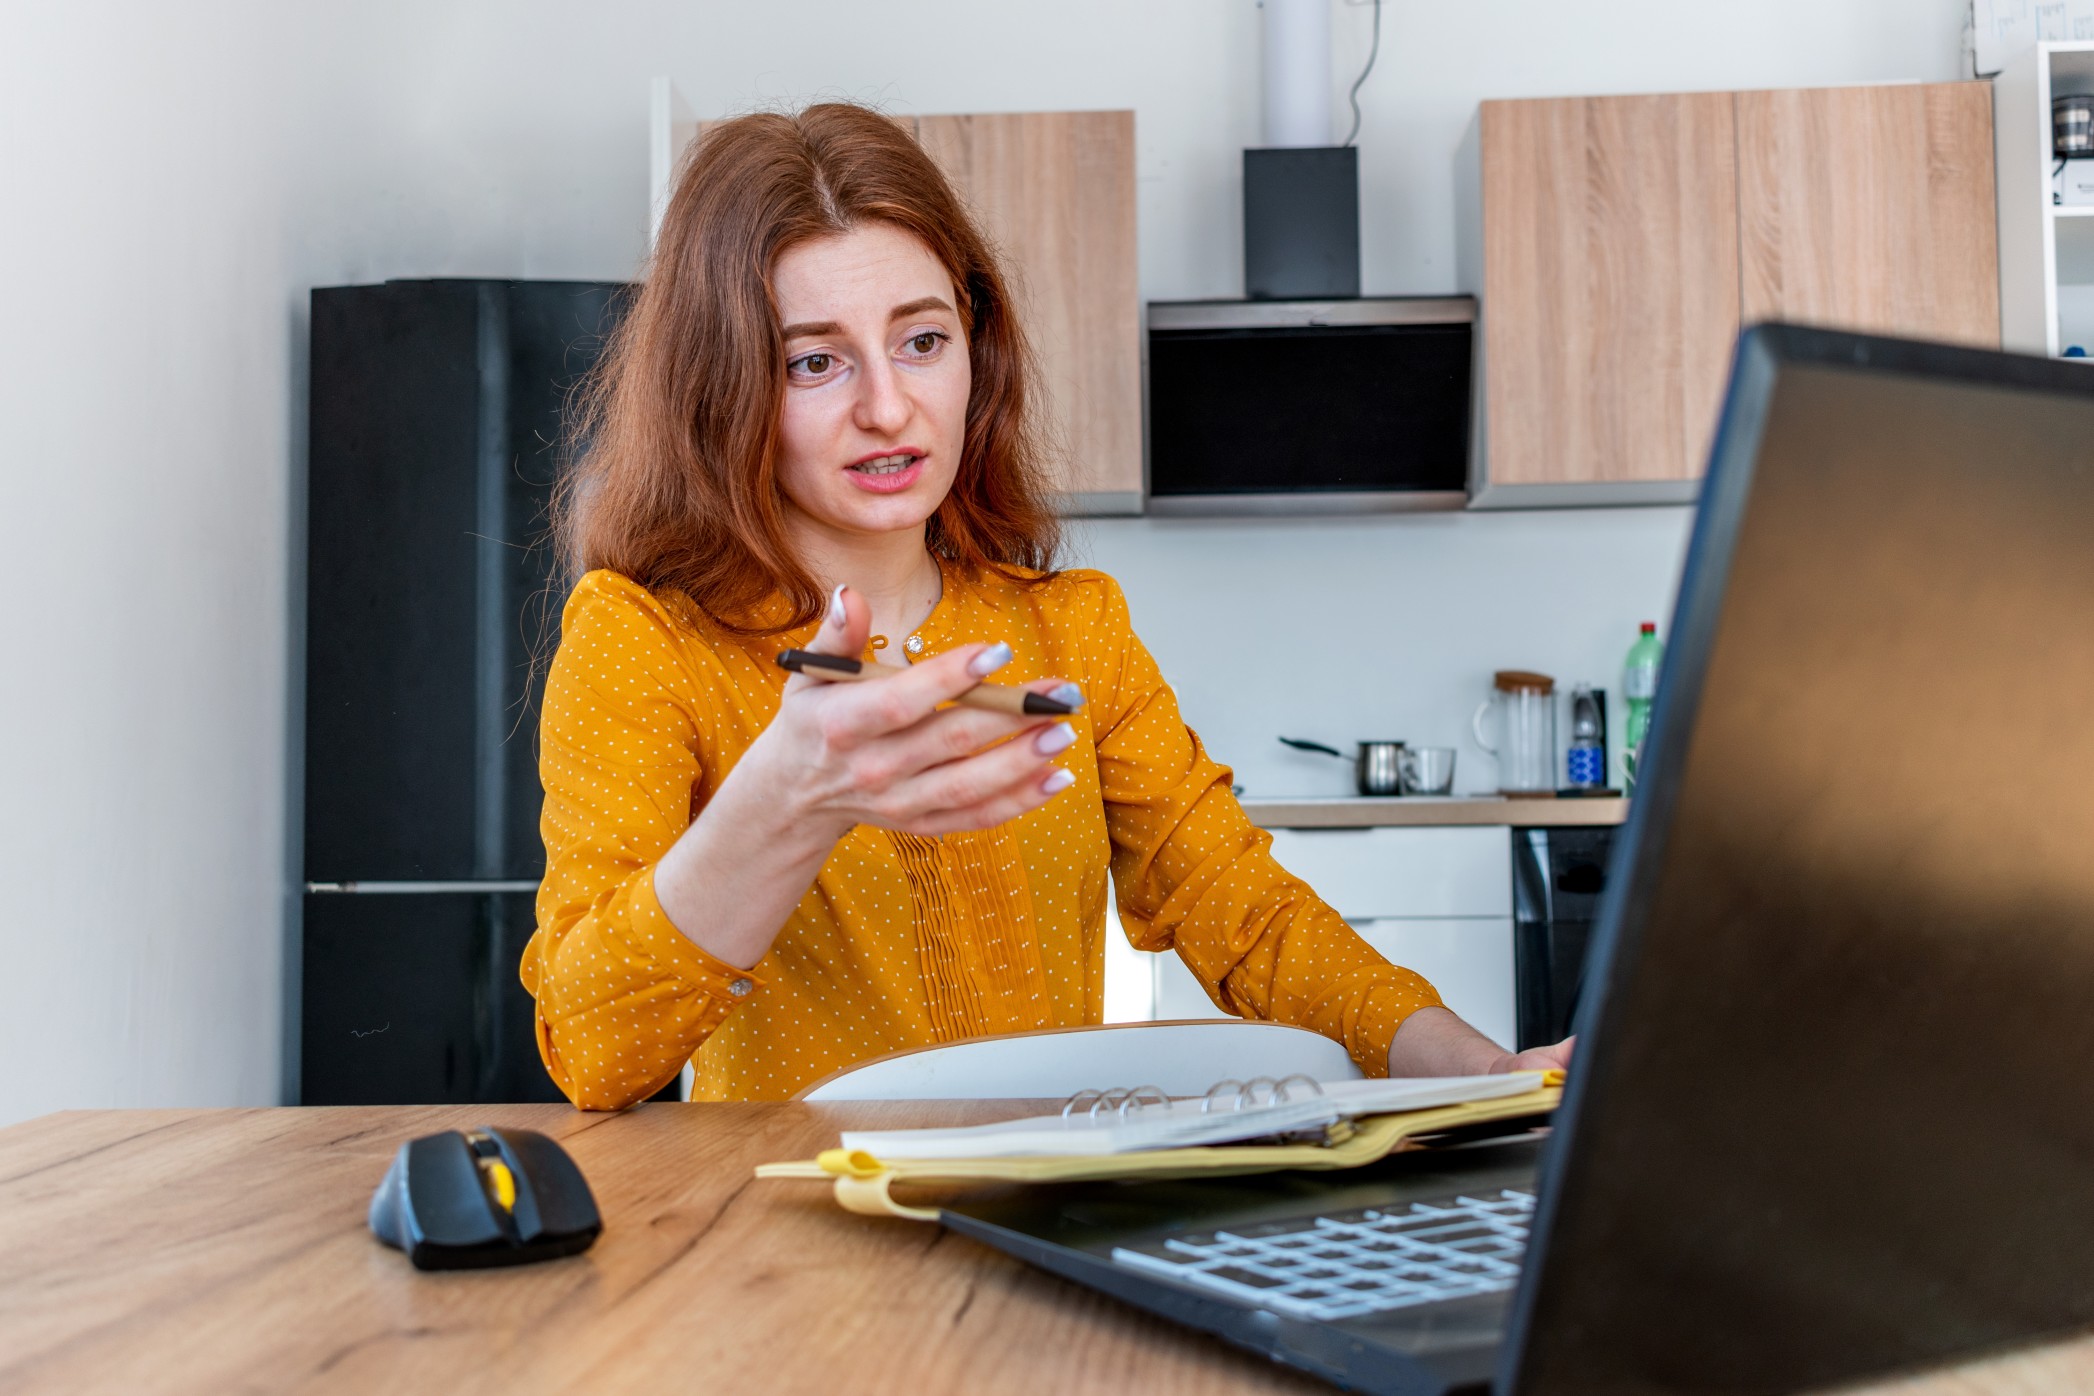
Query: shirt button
914, 644
740, 988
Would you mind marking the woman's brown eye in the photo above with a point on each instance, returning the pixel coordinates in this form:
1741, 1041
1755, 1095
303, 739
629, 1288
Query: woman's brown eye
924, 343
815, 363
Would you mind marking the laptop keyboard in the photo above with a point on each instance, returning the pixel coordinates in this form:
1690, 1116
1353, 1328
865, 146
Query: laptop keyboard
1342, 1264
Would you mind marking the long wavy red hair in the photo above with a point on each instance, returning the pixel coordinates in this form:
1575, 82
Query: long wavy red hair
675, 484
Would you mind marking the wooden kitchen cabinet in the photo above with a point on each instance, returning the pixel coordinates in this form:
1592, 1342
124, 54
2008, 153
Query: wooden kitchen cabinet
1611, 287
1871, 208
1054, 193
1626, 239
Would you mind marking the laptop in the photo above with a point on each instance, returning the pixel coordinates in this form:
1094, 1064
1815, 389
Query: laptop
1832, 1109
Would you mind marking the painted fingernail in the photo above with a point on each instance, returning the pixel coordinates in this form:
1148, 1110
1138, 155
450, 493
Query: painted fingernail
1068, 693
989, 660
836, 611
1056, 738
1057, 781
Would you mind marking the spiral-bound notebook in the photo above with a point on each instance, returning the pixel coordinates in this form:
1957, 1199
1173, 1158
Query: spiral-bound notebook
1130, 1120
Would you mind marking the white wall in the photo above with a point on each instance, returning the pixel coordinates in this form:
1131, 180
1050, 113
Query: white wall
1381, 628
174, 178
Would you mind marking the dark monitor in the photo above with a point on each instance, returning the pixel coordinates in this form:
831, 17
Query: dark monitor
1834, 1108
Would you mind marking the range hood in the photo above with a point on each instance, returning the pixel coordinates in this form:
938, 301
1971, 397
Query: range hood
1305, 397
1310, 407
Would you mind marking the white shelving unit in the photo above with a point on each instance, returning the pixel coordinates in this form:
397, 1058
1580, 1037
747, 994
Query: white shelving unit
2046, 250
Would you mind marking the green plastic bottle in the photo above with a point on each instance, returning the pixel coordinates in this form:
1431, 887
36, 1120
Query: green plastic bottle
1639, 687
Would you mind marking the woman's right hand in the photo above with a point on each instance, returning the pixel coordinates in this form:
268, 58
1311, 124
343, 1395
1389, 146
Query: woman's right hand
886, 753
841, 754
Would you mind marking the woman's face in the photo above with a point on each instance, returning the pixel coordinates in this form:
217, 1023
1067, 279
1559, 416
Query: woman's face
876, 381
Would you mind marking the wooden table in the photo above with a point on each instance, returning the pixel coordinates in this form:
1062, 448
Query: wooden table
225, 1251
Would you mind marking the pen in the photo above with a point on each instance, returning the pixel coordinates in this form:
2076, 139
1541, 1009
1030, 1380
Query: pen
997, 697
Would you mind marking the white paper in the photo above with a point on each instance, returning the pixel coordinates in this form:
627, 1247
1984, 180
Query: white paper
1182, 1124
2003, 30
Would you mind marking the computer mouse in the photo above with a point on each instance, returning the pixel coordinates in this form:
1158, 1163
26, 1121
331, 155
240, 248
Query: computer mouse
470, 1198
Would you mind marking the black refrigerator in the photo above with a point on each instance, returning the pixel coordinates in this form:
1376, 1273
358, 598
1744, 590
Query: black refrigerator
432, 602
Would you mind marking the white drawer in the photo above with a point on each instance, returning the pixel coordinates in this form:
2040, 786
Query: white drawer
1468, 959
1367, 874
1178, 994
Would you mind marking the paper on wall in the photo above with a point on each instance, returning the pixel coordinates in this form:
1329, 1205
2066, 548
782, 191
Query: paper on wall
2003, 30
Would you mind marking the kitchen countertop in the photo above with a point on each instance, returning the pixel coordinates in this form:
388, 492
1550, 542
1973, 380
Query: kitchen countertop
1427, 811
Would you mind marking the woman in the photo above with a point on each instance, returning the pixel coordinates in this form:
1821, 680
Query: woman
814, 430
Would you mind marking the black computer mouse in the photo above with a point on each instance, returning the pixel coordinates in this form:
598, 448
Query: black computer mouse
464, 1199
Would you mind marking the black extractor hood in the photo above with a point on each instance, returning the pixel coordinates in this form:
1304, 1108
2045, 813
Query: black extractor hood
1310, 407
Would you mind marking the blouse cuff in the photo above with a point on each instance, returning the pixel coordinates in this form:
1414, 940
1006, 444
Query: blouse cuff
1385, 1011
729, 985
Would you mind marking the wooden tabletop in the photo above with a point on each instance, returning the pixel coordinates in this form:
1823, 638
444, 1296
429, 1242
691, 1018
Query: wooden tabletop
225, 1250
1428, 811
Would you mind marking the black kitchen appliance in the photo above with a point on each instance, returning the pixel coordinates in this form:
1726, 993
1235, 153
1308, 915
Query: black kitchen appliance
431, 593
1557, 878
1296, 407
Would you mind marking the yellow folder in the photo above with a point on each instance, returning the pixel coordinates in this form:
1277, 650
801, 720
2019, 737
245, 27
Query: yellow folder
862, 1183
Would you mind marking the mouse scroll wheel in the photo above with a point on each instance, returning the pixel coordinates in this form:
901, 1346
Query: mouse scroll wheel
499, 1182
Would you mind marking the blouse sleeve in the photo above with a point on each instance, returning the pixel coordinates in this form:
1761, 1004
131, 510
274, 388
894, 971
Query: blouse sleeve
1193, 873
624, 998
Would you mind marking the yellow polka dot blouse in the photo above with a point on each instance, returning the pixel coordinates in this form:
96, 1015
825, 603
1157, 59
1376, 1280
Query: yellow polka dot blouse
901, 941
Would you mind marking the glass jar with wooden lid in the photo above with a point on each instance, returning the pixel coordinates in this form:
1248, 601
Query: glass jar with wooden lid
1517, 724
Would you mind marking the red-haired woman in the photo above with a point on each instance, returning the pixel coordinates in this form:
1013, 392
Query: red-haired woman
814, 430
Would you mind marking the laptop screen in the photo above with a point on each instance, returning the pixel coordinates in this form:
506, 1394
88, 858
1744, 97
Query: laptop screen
1834, 1105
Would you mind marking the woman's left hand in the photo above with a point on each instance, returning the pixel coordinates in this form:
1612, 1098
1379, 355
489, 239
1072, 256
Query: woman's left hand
1556, 1057
1434, 1042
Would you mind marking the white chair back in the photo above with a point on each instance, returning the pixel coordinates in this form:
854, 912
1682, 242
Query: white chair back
1178, 1058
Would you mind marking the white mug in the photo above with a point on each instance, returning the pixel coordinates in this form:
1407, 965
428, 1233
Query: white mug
1426, 770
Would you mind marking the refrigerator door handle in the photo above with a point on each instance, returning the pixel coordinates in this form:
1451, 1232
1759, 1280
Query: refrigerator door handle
424, 888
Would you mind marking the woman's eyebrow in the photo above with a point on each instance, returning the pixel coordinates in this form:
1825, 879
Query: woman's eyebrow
811, 328
918, 306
